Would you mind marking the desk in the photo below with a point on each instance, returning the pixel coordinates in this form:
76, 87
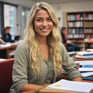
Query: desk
58, 91
30, 91
8, 49
54, 91
83, 43
51, 91
6, 60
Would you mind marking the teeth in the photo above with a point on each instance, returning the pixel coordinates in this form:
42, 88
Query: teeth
44, 29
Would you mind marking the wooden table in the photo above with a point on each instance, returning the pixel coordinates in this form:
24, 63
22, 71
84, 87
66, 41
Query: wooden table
54, 91
8, 50
51, 91
83, 42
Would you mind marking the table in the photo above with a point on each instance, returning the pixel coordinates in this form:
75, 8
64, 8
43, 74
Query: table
83, 43
8, 49
54, 91
51, 91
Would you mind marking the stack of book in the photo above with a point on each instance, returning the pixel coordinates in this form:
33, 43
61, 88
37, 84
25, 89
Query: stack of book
89, 50
86, 69
84, 54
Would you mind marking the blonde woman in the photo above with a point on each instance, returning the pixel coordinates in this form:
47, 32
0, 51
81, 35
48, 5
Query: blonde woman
41, 58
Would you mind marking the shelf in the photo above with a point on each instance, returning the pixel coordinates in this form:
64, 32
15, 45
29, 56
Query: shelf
80, 25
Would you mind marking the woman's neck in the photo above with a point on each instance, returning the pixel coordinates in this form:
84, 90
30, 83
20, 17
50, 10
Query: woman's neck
42, 41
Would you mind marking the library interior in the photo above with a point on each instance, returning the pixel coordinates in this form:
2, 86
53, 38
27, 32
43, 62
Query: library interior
75, 17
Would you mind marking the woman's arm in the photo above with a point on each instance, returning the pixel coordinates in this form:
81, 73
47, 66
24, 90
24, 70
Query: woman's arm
27, 87
70, 67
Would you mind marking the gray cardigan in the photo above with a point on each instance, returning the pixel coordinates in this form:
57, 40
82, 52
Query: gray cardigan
23, 74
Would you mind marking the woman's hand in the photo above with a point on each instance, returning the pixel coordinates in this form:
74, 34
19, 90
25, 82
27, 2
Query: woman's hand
77, 79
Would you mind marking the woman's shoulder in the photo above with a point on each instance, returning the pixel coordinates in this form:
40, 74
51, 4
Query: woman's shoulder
61, 45
22, 45
62, 48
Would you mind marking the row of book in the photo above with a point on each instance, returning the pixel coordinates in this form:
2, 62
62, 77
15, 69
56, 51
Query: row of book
88, 30
88, 16
76, 36
76, 31
80, 17
88, 24
80, 24
75, 17
90, 36
75, 24
79, 31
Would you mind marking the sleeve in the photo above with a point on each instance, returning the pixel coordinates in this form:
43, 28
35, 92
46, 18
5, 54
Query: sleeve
4, 37
69, 66
19, 73
10, 38
63, 39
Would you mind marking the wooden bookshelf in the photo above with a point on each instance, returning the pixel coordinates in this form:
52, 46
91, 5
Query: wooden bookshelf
80, 25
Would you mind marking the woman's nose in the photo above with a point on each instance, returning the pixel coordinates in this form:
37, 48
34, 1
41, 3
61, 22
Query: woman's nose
44, 23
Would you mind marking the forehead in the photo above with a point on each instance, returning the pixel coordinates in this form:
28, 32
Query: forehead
42, 13
8, 29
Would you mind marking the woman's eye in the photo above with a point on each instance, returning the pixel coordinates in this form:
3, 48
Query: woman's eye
49, 19
39, 20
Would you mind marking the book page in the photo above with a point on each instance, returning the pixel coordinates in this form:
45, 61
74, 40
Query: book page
85, 62
84, 87
86, 74
85, 69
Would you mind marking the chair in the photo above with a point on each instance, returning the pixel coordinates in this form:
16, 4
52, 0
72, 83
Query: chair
6, 75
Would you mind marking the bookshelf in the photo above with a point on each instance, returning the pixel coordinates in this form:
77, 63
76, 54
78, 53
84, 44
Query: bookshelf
80, 25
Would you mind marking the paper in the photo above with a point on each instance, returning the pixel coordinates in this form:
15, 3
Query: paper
91, 50
88, 62
85, 69
85, 53
5, 45
84, 57
84, 87
86, 74
72, 53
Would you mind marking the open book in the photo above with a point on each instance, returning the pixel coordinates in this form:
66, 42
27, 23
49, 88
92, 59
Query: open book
82, 87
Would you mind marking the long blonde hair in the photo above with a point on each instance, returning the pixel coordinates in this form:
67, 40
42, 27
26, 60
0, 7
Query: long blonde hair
53, 39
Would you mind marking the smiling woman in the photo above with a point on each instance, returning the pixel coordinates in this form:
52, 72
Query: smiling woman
43, 23
40, 57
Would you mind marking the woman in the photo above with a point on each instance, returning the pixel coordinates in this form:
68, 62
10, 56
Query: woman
41, 57
68, 44
6, 36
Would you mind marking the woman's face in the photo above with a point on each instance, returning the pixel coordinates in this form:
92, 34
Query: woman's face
43, 23
7, 31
